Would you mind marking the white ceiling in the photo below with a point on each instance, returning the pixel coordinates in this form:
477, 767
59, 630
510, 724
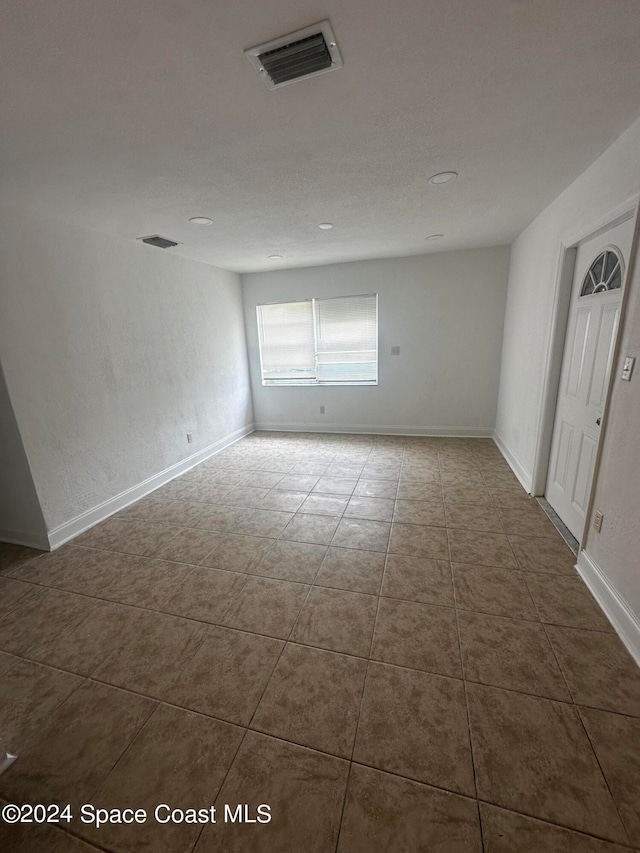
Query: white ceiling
130, 116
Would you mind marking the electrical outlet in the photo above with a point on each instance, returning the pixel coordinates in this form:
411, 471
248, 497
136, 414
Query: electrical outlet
189, 437
597, 521
322, 410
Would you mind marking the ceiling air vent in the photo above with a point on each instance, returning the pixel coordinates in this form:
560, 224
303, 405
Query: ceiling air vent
297, 56
160, 242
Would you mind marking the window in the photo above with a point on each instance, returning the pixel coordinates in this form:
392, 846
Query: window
604, 274
320, 341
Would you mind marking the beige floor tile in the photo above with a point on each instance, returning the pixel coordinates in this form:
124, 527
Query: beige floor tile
312, 699
513, 497
284, 501
40, 618
335, 485
551, 556
266, 606
152, 653
206, 594
366, 535
337, 620
33, 838
430, 513
83, 647
507, 832
566, 601
373, 471
263, 480
315, 529
376, 489
415, 724
227, 675
532, 755
417, 579
264, 522
488, 589
219, 518
384, 813
12, 593
485, 549
416, 540
305, 792
419, 636
292, 561
616, 741
351, 569
237, 553
189, 546
143, 581
599, 670
71, 844
82, 570
324, 505
73, 754
510, 653
420, 490
466, 494
12, 557
298, 482
7, 662
527, 522
178, 758
310, 468
29, 695
246, 496
481, 517
128, 537
373, 509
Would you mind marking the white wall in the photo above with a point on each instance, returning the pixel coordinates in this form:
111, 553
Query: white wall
112, 351
610, 560
21, 518
445, 312
535, 255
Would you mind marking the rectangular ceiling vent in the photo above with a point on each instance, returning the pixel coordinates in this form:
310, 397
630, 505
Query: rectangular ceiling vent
160, 242
297, 56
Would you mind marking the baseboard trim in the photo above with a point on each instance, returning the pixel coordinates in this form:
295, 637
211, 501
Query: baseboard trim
367, 429
623, 619
525, 478
29, 540
70, 529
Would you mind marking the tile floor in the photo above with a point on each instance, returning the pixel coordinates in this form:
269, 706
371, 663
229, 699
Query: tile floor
382, 638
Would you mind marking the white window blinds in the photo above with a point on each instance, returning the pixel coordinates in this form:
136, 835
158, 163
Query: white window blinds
320, 341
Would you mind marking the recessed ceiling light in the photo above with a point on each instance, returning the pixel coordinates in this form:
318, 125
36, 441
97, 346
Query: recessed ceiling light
274, 257
325, 225
434, 237
442, 178
201, 220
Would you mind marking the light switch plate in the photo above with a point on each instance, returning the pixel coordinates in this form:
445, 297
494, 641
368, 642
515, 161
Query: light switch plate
395, 350
627, 368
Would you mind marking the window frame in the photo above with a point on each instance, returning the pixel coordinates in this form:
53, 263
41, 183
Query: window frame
296, 383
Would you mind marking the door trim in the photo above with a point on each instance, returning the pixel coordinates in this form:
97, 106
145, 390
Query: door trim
555, 351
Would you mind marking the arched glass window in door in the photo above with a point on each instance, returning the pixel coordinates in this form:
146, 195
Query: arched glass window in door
604, 274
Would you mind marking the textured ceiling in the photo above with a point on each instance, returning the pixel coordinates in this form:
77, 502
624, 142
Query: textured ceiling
130, 117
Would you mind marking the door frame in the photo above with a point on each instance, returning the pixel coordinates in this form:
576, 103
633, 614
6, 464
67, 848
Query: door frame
568, 247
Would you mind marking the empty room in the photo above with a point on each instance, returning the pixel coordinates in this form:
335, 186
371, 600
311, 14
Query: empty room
320, 426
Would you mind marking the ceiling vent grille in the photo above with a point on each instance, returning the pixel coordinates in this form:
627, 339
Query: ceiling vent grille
297, 56
160, 242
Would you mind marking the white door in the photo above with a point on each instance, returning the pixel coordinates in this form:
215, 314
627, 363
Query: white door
592, 325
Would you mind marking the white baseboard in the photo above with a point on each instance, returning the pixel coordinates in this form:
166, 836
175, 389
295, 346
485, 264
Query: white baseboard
71, 529
29, 540
525, 478
368, 429
615, 608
